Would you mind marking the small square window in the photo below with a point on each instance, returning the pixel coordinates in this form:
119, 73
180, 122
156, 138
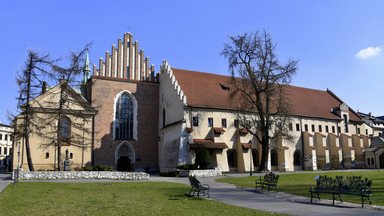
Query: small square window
320, 128
297, 127
195, 121
210, 122
46, 155
70, 155
313, 128
290, 126
248, 124
326, 128
224, 123
306, 127
358, 130
5, 150
333, 129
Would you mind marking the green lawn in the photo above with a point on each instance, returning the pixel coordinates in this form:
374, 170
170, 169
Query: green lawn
300, 184
114, 198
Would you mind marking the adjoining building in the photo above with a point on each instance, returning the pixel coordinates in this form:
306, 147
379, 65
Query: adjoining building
374, 155
6, 140
76, 134
197, 112
376, 123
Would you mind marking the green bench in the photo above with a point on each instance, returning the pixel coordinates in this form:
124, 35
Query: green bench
352, 185
197, 187
268, 181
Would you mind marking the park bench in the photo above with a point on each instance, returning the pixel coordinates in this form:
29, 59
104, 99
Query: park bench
197, 187
268, 181
352, 185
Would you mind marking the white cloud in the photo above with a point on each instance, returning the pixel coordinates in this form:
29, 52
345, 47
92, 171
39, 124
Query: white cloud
369, 52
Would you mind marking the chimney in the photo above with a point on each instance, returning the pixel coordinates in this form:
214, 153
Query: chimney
44, 88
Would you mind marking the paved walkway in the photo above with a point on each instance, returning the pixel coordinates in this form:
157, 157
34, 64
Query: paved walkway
272, 202
5, 179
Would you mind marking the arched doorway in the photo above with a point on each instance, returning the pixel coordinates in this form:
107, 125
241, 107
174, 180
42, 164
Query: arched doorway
297, 158
382, 160
231, 158
125, 157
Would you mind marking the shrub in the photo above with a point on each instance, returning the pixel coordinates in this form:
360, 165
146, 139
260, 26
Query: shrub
169, 174
187, 167
202, 159
98, 168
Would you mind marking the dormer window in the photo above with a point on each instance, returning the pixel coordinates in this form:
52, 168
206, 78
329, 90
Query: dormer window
225, 88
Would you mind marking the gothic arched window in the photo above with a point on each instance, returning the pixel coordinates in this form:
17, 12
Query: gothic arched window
65, 129
124, 117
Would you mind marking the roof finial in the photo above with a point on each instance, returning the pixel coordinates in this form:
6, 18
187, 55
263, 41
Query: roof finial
86, 70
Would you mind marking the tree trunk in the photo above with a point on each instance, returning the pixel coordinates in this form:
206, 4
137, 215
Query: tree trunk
264, 155
27, 115
59, 129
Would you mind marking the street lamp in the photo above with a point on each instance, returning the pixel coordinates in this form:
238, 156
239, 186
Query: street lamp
250, 157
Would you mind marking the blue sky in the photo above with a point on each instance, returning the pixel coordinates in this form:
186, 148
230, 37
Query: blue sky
338, 43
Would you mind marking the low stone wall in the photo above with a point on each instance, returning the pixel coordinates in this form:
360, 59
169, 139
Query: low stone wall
67, 175
201, 173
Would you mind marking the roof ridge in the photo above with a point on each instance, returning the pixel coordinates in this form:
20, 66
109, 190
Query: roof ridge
215, 74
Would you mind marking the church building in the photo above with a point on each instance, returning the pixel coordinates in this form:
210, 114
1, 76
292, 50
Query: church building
144, 120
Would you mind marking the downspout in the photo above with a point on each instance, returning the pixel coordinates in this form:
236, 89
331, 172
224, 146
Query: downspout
93, 141
302, 143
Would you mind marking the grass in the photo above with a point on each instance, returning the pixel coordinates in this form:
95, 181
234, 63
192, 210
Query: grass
112, 198
299, 184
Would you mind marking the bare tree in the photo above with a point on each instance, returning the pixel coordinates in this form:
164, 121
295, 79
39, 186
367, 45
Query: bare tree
260, 88
28, 79
59, 134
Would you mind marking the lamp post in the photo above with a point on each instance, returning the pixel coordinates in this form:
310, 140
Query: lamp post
250, 157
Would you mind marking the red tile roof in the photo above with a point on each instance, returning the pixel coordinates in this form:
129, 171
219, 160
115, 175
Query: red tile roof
245, 145
209, 90
243, 131
320, 134
209, 144
218, 130
309, 134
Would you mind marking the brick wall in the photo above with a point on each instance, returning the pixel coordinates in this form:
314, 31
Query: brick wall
104, 92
